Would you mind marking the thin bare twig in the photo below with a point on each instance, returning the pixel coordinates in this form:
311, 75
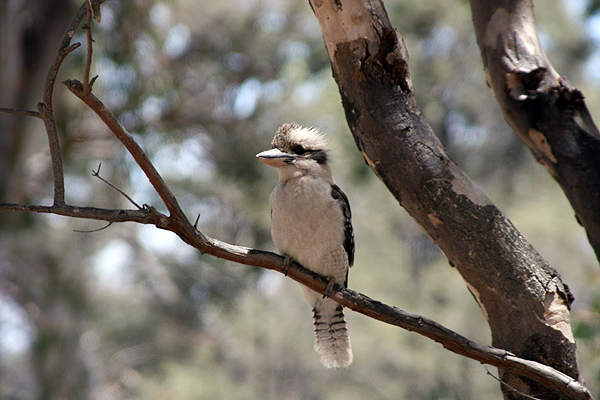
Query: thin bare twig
506, 385
25, 113
92, 81
88, 60
93, 230
97, 175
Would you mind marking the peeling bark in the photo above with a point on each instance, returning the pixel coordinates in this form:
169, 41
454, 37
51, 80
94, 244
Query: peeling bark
549, 115
523, 298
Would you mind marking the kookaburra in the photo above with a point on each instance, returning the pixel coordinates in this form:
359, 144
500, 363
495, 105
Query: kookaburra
311, 224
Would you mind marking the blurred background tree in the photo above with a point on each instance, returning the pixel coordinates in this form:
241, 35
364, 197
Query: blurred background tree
131, 312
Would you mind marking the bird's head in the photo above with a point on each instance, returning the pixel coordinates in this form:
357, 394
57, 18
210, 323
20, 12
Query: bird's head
296, 150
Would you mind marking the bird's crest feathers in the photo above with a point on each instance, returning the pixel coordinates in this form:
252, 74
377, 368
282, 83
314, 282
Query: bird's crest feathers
290, 135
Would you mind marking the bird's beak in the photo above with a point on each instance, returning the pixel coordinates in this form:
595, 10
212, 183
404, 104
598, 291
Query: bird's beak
276, 158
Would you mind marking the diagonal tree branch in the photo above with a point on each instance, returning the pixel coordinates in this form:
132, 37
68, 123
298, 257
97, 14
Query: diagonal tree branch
548, 377
547, 114
96, 174
522, 297
78, 89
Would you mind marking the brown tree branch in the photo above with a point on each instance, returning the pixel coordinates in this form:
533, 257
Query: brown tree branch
547, 114
546, 376
88, 59
45, 108
77, 88
25, 113
55, 154
523, 298
146, 215
551, 378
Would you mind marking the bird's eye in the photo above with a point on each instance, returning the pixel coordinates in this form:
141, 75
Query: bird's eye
299, 150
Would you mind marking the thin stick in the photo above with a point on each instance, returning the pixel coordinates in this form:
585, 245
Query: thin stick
94, 230
512, 389
88, 59
97, 175
26, 113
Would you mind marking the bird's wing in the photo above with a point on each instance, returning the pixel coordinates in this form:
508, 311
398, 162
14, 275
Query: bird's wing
342, 200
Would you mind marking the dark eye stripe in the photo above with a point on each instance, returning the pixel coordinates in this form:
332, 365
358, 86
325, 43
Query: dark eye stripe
320, 156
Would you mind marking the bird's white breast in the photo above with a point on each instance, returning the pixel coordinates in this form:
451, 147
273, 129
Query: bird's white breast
308, 224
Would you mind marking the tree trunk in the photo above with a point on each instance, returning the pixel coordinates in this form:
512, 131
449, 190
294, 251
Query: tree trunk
522, 297
548, 115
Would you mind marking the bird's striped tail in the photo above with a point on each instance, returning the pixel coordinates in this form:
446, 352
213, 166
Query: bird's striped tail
331, 335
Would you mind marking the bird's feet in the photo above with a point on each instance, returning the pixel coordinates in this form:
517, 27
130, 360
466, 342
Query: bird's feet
329, 287
287, 261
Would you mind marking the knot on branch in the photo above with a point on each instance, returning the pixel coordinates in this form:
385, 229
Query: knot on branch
396, 58
74, 86
523, 85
